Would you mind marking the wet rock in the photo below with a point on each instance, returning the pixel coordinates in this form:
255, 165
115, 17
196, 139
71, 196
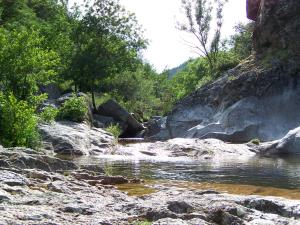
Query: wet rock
12, 178
207, 192
71, 138
104, 180
93, 168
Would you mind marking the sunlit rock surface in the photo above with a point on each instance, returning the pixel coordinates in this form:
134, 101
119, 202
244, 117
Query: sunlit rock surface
70, 138
183, 149
289, 144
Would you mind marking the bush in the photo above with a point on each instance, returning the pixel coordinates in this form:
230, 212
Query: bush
114, 129
18, 123
255, 141
49, 114
74, 109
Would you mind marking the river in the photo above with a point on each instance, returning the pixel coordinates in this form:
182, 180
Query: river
256, 175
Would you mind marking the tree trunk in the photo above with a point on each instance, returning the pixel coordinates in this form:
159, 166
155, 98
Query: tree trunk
93, 100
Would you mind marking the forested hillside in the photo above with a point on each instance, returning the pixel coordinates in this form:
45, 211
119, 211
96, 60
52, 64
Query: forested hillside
94, 49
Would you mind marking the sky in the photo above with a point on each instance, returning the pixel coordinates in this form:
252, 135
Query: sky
167, 47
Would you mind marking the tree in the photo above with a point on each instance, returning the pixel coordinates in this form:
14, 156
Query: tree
199, 16
108, 41
241, 41
24, 63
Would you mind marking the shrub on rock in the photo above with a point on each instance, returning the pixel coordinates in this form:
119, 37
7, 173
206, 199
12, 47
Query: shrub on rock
18, 123
49, 114
74, 109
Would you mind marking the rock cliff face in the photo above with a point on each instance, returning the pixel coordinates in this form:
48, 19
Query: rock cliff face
257, 99
277, 28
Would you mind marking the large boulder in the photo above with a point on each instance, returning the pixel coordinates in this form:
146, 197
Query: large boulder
289, 144
112, 109
71, 138
102, 121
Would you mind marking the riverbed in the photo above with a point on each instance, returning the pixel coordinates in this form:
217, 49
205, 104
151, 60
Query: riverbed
271, 176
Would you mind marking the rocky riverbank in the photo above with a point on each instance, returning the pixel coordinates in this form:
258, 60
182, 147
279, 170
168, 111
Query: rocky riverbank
36, 188
258, 99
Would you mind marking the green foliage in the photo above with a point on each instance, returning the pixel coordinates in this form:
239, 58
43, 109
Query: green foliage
49, 114
226, 60
241, 41
24, 63
142, 223
255, 141
114, 129
66, 173
102, 98
74, 109
108, 40
197, 73
135, 90
18, 123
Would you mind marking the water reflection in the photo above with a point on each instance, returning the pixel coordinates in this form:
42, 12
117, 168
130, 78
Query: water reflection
271, 172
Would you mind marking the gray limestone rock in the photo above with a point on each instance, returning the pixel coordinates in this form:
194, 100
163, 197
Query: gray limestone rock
71, 138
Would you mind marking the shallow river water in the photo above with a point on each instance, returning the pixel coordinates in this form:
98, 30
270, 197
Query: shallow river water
266, 176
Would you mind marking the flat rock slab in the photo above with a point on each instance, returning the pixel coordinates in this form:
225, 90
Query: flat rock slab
12, 179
